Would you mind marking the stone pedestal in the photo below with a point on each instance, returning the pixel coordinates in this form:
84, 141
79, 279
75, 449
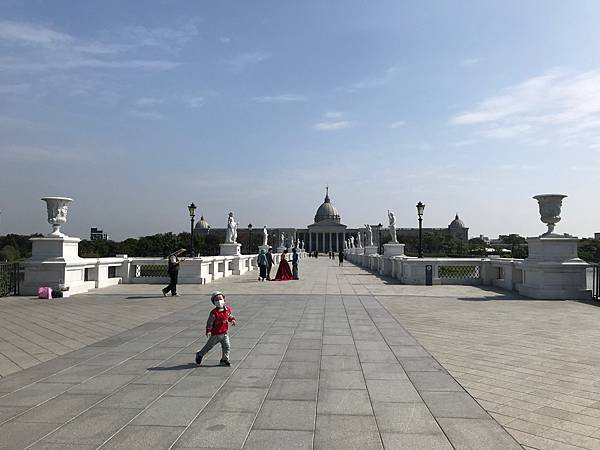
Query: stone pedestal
55, 261
230, 249
280, 249
553, 269
393, 250
371, 250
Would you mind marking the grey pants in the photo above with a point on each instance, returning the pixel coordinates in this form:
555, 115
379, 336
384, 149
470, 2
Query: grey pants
214, 340
295, 271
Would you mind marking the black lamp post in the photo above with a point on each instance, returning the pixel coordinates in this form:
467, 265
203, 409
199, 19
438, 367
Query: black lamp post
420, 209
192, 210
379, 241
249, 238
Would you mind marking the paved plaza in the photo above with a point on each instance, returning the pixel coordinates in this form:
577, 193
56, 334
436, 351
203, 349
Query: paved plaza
341, 359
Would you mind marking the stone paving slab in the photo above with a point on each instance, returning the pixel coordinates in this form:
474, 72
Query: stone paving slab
317, 366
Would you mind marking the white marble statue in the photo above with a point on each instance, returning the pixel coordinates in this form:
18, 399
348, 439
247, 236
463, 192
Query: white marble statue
359, 240
302, 245
265, 235
352, 242
282, 241
369, 235
345, 244
231, 233
392, 226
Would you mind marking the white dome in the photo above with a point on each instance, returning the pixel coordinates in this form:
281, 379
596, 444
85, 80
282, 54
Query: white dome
327, 211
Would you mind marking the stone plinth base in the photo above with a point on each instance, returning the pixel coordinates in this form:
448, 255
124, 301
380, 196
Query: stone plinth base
371, 250
393, 250
228, 249
280, 249
553, 270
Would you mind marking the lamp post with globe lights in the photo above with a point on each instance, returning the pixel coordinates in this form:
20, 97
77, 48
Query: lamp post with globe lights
420, 209
192, 211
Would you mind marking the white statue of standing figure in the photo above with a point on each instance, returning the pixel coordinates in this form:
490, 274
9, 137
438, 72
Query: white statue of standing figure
369, 235
352, 242
265, 235
345, 244
392, 226
282, 242
359, 240
231, 233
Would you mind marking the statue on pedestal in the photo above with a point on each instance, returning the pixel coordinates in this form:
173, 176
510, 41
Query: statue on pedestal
369, 235
352, 242
359, 241
265, 235
231, 233
392, 227
282, 241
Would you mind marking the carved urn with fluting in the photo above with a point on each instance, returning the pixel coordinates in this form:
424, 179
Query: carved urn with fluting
58, 208
550, 206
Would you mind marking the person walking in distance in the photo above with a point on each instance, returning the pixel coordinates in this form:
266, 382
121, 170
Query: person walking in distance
217, 327
270, 263
341, 258
173, 271
261, 261
295, 259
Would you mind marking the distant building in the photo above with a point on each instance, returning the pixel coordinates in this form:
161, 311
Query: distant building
327, 233
596, 235
98, 235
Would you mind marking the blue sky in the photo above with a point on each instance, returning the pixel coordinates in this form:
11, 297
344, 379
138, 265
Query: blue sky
136, 109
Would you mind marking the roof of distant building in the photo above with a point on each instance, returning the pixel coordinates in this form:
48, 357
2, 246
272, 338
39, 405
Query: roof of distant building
327, 211
457, 223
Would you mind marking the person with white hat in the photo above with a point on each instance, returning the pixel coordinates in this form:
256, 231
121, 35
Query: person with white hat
217, 327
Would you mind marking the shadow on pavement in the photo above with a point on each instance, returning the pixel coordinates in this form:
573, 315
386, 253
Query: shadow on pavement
179, 367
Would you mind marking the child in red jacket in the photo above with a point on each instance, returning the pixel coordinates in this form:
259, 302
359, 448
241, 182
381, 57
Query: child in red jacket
217, 327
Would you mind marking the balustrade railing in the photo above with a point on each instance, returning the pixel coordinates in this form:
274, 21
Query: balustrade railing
10, 278
596, 281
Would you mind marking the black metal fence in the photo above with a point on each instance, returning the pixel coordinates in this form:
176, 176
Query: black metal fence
10, 278
596, 282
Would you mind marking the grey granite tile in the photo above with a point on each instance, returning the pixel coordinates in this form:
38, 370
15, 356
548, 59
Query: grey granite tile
302, 355
422, 364
286, 415
453, 404
134, 396
346, 379
238, 399
412, 351
383, 371
211, 427
34, 394
60, 409
261, 362
306, 344
392, 391
484, 434
300, 389
171, 411
92, 427
134, 437
434, 381
344, 401
7, 412
279, 439
346, 432
251, 377
340, 363
404, 441
293, 370
15, 435
405, 418
197, 386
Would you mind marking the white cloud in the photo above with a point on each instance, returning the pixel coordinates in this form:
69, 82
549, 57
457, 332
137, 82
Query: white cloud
331, 126
376, 81
29, 34
35, 154
194, 102
282, 98
464, 143
243, 60
469, 62
560, 103
225, 39
397, 124
168, 38
333, 115
146, 102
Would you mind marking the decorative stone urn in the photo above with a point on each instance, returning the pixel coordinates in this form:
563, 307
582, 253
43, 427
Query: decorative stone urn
550, 205
57, 213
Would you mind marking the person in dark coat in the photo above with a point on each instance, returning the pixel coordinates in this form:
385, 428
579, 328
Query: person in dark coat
295, 259
341, 258
261, 260
173, 271
269, 256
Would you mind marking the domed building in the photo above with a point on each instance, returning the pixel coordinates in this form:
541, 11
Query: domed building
327, 233
458, 230
202, 227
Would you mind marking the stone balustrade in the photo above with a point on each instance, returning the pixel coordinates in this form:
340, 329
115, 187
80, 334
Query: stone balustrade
84, 274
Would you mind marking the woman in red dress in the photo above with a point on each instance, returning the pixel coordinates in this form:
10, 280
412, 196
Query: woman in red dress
284, 273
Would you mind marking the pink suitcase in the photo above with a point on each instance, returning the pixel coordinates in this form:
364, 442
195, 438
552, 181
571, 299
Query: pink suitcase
45, 292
